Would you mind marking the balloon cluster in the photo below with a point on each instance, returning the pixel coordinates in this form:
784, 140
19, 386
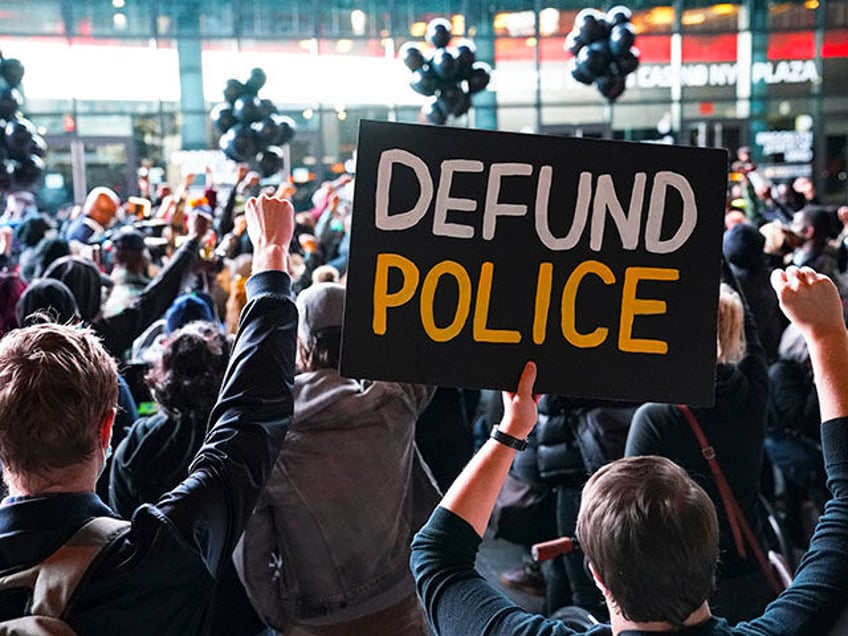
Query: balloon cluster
252, 130
602, 45
21, 148
450, 76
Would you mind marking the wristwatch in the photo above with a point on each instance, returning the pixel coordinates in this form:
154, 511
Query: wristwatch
508, 440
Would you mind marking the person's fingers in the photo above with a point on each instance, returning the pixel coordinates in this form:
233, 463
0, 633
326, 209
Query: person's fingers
808, 274
778, 279
527, 380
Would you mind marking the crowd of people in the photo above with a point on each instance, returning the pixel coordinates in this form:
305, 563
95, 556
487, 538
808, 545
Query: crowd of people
166, 404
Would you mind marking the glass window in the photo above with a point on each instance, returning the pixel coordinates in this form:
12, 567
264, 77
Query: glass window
110, 19
718, 17
791, 15
24, 16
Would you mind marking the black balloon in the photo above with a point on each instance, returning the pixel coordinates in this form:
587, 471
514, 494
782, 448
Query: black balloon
233, 90
621, 38
465, 58
39, 146
26, 173
479, 78
266, 130
412, 56
619, 15
434, 113
611, 87
267, 107
449, 98
19, 135
628, 61
257, 80
594, 59
12, 71
424, 82
10, 101
579, 72
592, 25
270, 161
223, 118
439, 32
239, 143
574, 42
286, 129
444, 64
247, 109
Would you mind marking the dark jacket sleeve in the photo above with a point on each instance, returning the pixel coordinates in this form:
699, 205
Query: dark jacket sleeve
253, 413
456, 599
119, 331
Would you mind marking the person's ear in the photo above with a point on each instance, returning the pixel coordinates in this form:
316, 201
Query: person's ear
106, 428
598, 583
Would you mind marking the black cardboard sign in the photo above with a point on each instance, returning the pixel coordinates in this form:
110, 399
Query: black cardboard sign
474, 251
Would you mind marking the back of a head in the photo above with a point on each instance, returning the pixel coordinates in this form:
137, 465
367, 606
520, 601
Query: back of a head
47, 298
651, 534
730, 335
185, 309
83, 279
188, 376
47, 251
743, 247
320, 310
57, 384
820, 219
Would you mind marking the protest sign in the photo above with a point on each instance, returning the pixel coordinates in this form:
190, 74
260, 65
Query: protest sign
474, 251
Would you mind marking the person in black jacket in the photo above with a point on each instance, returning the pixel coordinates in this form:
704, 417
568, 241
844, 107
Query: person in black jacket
735, 427
57, 398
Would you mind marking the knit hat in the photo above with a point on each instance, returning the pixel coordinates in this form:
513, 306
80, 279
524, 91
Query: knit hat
185, 309
32, 230
743, 246
47, 251
321, 309
83, 279
51, 297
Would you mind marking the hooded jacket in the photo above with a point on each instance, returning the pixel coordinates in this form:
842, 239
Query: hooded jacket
329, 539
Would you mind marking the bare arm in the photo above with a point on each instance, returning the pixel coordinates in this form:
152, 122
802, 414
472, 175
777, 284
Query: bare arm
472, 495
811, 301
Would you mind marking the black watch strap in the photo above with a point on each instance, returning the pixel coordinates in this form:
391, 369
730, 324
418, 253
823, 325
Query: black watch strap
508, 440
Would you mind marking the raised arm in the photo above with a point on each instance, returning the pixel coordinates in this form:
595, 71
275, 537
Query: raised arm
819, 594
811, 301
472, 495
254, 407
119, 331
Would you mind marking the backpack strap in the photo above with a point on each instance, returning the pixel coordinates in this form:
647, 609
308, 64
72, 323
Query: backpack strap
54, 580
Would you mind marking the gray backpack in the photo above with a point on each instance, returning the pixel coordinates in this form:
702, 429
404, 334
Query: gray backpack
54, 580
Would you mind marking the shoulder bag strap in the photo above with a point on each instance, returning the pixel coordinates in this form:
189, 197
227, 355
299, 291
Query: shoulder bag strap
738, 524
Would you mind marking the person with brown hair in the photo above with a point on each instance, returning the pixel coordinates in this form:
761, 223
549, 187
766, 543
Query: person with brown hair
735, 426
58, 392
647, 530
